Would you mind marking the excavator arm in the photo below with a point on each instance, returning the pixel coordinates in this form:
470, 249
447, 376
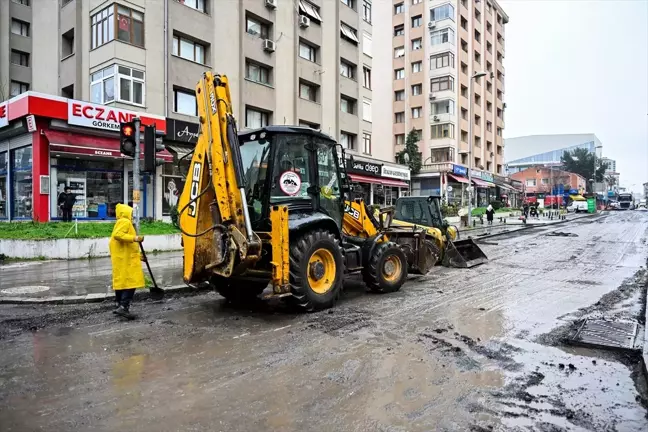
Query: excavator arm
213, 216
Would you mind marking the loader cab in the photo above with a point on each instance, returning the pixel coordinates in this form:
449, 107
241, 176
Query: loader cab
420, 211
293, 166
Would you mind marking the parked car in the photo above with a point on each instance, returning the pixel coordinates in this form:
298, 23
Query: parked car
577, 206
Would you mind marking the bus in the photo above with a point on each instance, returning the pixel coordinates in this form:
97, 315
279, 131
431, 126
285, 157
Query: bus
626, 202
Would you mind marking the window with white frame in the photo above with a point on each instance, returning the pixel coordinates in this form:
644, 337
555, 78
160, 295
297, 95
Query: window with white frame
102, 28
349, 33
255, 119
442, 107
417, 44
366, 10
366, 72
366, 44
347, 69
417, 112
446, 35
417, 89
366, 110
366, 143
417, 67
117, 83
442, 12
17, 88
310, 10
445, 130
399, 52
307, 51
198, 5
530, 182
347, 141
255, 27
184, 102
256, 72
20, 28
399, 74
188, 49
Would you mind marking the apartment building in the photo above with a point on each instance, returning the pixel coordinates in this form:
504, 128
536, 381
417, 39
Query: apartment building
79, 66
436, 47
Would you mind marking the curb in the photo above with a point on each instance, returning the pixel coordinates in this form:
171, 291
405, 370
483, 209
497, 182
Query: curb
644, 357
527, 227
141, 294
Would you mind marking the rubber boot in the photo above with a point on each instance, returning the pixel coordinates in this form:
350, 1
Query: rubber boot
116, 307
123, 312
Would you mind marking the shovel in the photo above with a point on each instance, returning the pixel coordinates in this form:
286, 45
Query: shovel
157, 293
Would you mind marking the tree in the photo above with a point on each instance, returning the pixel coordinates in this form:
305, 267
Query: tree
414, 157
582, 162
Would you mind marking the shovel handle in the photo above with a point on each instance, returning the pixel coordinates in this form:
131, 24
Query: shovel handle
148, 266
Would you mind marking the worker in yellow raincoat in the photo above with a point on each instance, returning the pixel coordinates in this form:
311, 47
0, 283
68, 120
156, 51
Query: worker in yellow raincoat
127, 274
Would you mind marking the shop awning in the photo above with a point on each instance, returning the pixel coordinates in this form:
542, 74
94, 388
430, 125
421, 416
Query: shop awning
180, 151
377, 180
458, 179
482, 184
507, 187
79, 144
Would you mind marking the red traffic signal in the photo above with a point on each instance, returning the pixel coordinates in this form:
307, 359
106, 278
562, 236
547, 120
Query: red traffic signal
127, 138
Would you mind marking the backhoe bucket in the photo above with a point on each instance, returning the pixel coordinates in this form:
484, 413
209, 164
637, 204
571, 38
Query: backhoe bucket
463, 254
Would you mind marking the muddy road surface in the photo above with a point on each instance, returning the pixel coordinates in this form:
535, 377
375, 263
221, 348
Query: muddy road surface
457, 350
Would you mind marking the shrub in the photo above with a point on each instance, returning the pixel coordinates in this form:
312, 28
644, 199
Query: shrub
449, 210
497, 205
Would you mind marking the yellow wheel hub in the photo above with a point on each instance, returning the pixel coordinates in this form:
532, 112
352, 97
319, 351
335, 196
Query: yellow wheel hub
321, 271
392, 268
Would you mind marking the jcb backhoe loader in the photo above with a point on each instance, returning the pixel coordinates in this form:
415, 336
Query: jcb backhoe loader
268, 206
425, 212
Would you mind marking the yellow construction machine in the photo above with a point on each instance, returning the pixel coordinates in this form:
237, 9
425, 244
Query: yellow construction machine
270, 206
425, 212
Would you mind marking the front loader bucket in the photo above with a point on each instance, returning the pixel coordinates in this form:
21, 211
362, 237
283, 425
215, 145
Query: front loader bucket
463, 254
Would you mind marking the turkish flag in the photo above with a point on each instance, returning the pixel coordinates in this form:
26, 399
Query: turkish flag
124, 23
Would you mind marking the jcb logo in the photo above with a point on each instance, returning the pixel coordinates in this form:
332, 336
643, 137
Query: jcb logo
355, 214
212, 102
193, 193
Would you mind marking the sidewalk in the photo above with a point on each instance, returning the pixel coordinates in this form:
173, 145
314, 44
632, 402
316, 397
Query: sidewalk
73, 281
513, 223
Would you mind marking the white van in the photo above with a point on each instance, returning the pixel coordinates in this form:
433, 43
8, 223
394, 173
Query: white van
577, 206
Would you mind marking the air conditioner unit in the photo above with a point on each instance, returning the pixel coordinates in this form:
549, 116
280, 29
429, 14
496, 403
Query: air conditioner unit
271, 4
268, 45
435, 118
504, 105
431, 25
432, 97
304, 21
492, 75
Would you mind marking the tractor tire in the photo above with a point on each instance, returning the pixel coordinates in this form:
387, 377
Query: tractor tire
316, 271
387, 268
237, 292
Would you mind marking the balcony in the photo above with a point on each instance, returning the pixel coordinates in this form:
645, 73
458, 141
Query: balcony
441, 142
442, 118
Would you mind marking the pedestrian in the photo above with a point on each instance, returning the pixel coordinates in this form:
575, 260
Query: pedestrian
490, 214
126, 260
66, 201
525, 209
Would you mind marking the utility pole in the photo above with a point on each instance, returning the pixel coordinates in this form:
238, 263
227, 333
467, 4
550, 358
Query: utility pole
136, 175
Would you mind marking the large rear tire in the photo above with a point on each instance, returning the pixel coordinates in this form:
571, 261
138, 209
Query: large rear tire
387, 269
316, 271
237, 291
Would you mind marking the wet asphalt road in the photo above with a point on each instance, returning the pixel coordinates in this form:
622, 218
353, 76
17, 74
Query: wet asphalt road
456, 350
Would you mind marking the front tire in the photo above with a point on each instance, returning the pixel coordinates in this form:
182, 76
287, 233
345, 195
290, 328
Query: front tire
316, 271
387, 268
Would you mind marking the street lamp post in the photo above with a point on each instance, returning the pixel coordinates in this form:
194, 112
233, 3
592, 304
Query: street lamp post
471, 120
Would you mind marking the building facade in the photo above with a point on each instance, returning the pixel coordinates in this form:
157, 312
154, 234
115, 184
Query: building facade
436, 47
542, 181
306, 62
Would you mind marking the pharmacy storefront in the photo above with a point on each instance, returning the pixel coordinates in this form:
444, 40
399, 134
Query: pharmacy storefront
379, 182
48, 143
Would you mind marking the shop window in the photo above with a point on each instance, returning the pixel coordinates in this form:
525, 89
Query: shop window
4, 169
98, 186
21, 183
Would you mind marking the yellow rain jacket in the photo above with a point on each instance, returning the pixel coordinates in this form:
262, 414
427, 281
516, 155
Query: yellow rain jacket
124, 252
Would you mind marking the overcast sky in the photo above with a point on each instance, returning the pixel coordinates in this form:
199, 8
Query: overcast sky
581, 66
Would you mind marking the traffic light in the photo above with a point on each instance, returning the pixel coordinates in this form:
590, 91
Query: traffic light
152, 146
127, 138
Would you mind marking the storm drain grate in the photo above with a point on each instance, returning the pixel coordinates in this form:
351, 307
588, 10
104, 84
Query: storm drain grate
606, 334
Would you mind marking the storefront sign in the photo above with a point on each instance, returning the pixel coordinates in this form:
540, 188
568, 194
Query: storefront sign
457, 169
475, 173
395, 172
362, 167
103, 117
182, 131
487, 176
4, 115
31, 123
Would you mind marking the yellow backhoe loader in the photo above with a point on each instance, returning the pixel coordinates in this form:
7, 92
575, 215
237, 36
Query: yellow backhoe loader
269, 206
